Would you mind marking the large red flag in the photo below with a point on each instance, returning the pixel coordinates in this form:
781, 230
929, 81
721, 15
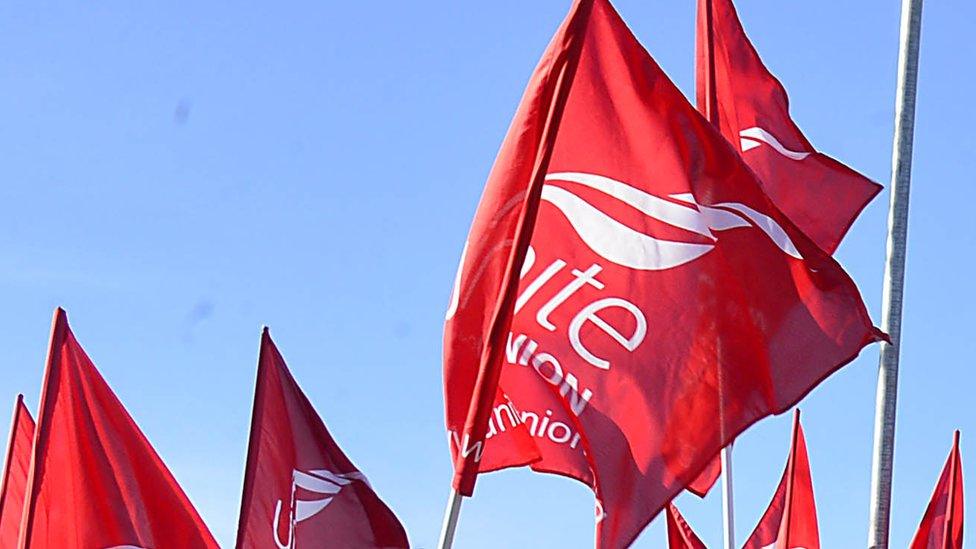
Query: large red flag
821, 196
664, 305
680, 534
791, 519
300, 489
941, 526
14, 481
95, 481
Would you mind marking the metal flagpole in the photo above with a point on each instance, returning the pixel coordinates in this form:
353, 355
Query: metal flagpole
728, 516
894, 276
451, 515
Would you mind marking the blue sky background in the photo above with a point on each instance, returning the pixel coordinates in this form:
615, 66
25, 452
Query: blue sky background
177, 174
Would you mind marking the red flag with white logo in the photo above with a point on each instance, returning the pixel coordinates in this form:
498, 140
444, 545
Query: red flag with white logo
680, 534
821, 196
95, 481
664, 305
300, 489
14, 481
941, 526
791, 519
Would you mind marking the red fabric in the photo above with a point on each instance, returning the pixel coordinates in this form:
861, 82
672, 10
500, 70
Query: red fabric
661, 283
819, 194
480, 312
680, 534
941, 526
300, 489
791, 519
14, 482
703, 483
737, 92
95, 481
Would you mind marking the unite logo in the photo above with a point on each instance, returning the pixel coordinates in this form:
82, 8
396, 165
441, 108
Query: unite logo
751, 138
624, 246
318, 481
620, 244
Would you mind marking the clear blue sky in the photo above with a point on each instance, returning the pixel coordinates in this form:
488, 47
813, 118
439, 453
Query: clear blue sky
177, 174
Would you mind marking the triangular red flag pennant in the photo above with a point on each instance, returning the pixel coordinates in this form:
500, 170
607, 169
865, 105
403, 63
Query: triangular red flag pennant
941, 526
300, 489
95, 481
664, 305
819, 194
680, 534
13, 484
791, 519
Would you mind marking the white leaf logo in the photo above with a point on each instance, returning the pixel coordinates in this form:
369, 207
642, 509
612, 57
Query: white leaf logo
627, 247
319, 481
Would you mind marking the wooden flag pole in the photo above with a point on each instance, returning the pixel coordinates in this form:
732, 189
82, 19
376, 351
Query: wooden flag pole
894, 276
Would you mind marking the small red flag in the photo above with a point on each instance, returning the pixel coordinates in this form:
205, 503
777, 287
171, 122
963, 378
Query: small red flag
941, 526
14, 481
819, 194
680, 534
95, 481
791, 519
703, 483
664, 305
300, 489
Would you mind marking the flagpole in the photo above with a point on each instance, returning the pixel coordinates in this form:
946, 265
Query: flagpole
894, 277
711, 113
451, 515
728, 515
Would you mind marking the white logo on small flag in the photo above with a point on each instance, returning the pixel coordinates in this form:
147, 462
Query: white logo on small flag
319, 481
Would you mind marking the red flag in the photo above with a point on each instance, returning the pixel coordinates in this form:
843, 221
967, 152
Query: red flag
704, 482
14, 481
819, 194
791, 519
483, 299
680, 535
941, 526
300, 489
665, 303
95, 481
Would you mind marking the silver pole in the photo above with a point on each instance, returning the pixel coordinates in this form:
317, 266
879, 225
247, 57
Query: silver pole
894, 276
728, 515
451, 515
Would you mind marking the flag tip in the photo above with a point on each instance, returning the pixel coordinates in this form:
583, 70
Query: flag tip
60, 316
265, 331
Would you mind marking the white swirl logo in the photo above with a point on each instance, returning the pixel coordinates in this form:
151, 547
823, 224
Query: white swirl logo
630, 248
319, 481
751, 138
